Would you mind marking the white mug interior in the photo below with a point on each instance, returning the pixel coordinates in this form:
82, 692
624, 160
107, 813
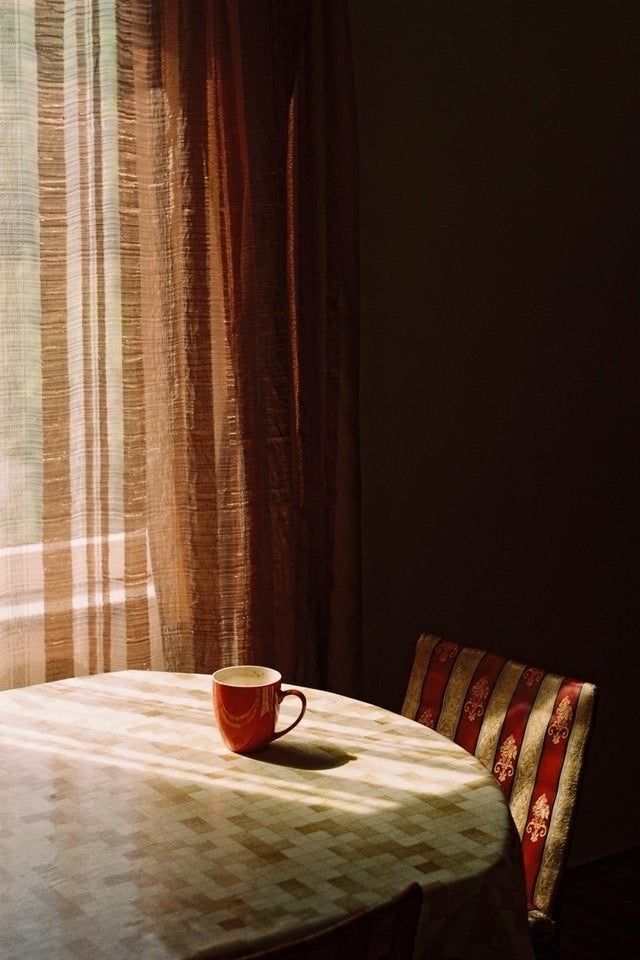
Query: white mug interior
247, 676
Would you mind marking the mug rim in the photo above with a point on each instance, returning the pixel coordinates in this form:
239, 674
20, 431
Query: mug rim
271, 676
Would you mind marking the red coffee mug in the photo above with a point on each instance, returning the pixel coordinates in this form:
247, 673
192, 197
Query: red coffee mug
246, 701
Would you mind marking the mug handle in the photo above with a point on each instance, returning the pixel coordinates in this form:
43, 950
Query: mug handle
294, 693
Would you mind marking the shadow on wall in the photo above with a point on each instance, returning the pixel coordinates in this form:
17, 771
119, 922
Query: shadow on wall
500, 212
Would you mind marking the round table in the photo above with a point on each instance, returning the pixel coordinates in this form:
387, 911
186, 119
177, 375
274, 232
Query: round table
128, 829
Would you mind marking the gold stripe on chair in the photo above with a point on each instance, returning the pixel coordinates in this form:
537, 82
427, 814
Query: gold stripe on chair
454, 696
532, 744
424, 650
496, 711
565, 802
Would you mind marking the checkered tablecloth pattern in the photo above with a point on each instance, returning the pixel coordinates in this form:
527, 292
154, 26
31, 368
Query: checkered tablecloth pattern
128, 829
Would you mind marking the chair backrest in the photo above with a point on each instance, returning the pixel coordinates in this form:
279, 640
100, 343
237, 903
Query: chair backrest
386, 932
527, 726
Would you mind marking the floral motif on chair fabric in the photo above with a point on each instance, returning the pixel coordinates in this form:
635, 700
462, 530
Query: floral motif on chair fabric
427, 718
474, 707
533, 676
559, 727
447, 651
506, 758
537, 826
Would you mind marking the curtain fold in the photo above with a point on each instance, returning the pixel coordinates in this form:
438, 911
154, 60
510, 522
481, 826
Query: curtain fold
196, 259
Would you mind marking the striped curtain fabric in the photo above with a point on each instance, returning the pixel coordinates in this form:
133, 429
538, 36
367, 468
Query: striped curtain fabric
178, 305
76, 595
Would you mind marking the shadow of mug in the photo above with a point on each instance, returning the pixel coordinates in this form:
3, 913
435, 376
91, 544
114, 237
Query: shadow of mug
305, 756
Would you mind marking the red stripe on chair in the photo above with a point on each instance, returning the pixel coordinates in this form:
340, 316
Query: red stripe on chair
514, 726
477, 696
443, 657
547, 778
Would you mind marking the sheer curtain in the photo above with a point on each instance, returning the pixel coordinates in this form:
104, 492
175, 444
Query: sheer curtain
178, 287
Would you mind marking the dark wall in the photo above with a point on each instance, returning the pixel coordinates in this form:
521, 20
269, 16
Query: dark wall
500, 210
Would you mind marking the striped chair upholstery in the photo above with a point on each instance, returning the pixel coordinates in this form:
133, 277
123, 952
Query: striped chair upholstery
529, 728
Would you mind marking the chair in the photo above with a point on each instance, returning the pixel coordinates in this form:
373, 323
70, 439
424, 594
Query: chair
530, 729
386, 932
